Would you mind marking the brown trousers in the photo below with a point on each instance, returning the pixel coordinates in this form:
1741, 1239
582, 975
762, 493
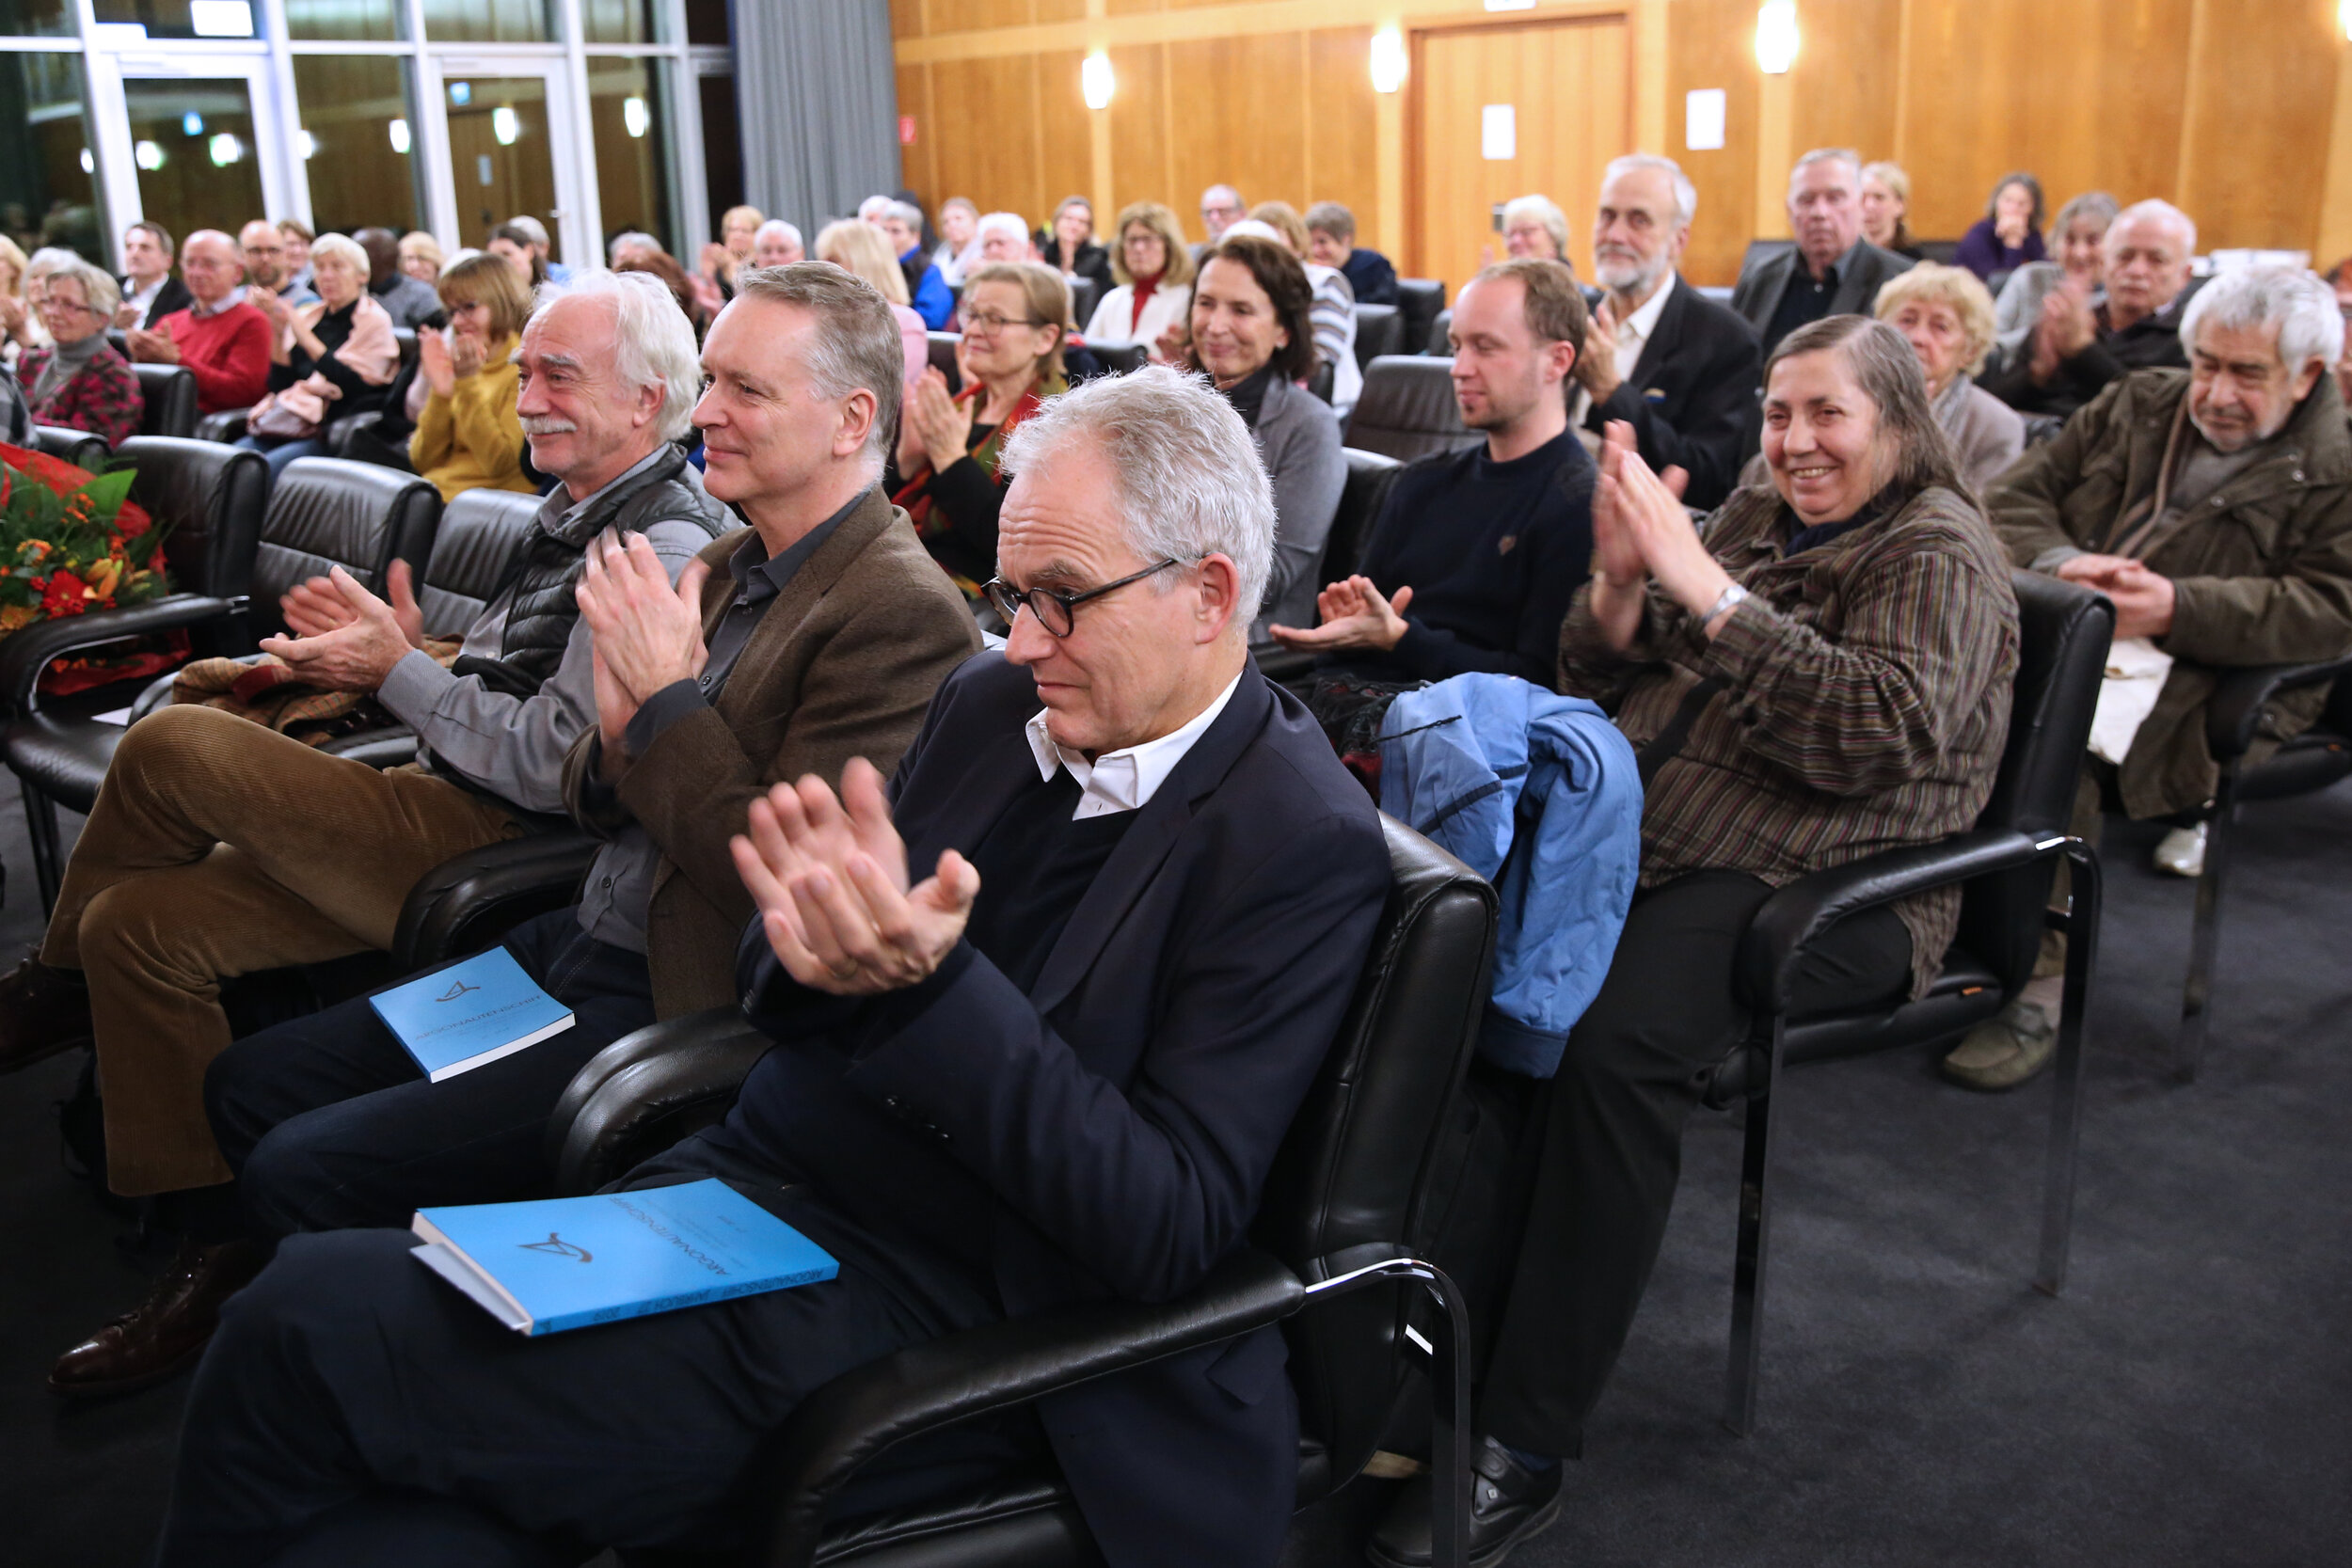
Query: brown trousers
220, 848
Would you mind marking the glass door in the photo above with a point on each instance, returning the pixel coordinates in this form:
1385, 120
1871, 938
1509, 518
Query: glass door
199, 144
504, 121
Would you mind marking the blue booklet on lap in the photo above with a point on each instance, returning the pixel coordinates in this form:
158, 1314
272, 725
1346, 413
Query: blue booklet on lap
550, 1264
456, 1018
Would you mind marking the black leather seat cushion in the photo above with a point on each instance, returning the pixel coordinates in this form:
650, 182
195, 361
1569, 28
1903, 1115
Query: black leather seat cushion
1963, 996
169, 391
328, 512
473, 547
2311, 760
1417, 302
61, 751
1379, 329
1408, 410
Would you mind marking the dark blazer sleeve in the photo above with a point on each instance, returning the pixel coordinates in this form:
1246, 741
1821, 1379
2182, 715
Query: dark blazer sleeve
1149, 1187
1707, 363
1757, 295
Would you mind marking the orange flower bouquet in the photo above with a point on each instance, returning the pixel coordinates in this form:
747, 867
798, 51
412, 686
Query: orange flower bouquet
72, 542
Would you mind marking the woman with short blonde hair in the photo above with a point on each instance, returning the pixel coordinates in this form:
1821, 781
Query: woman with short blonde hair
1946, 314
857, 247
1887, 209
421, 257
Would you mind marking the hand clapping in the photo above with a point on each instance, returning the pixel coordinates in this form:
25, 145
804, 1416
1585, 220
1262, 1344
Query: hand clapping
1640, 530
830, 877
648, 635
345, 638
1353, 615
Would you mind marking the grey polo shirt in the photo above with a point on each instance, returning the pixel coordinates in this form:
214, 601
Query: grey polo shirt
619, 893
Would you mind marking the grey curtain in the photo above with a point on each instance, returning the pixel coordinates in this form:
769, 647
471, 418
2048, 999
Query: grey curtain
818, 100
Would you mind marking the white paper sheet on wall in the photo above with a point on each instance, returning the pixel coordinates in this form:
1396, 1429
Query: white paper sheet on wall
1498, 132
1703, 119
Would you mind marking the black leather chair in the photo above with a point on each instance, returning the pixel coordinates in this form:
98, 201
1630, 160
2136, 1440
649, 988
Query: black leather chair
1406, 410
1119, 359
1939, 251
1333, 1256
226, 426
1379, 329
2320, 756
323, 513
2003, 867
1369, 475
169, 391
230, 423
1440, 344
1417, 302
1085, 294
68, 445
944, 345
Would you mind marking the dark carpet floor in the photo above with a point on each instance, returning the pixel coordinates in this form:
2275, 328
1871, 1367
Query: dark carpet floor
2188, 1401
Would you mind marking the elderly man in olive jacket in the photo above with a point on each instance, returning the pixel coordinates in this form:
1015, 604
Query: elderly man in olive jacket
2214, 505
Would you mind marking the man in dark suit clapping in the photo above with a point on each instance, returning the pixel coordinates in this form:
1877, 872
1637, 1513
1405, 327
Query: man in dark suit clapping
1044, 1009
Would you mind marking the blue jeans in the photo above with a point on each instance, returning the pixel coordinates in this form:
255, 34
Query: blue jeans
278, 451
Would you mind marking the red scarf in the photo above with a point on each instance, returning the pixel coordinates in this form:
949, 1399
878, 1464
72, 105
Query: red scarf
1144, 287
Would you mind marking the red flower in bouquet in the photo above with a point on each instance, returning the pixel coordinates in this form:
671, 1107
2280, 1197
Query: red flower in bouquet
64, 595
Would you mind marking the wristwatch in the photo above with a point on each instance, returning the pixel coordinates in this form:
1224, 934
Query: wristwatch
1731, 595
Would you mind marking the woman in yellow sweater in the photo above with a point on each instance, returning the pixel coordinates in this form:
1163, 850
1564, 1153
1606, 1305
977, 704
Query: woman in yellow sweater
469, 436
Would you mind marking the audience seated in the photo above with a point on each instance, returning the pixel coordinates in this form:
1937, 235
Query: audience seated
860, 247
1474, 555
409, 303
79, 381
297, 239
1333, 312
1662, 357
1831, 271
149, 292
2009, 236
927, 290
1069, 247
1822, 671
720, 262
329, 360
950, 444
959, 228
2214, 506
784, 650
1885, 202
777, 243
1154, 272
219, 846
512, 243
1221, 207
2083, 342
1251, 333
1946, 316
536, 233
421, 257
1113, 1090
2079, 237
1331, 243
263, 248
223, 341
20, 323
1003, 239
697, 300
469, 430
1533, 226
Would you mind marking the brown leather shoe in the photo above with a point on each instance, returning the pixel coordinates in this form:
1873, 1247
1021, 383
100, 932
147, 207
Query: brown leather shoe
42, 1012
167, 1332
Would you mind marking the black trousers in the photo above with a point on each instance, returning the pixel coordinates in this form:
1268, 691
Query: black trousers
355, 1410
1611, 1131
328, 1123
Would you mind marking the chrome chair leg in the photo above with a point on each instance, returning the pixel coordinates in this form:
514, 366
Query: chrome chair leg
1748, 1268
2081, 924
2206, 935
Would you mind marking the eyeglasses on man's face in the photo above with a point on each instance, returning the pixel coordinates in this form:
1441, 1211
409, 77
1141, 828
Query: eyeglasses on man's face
1056, 613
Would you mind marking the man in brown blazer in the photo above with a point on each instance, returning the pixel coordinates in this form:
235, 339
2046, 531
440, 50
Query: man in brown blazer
815, 635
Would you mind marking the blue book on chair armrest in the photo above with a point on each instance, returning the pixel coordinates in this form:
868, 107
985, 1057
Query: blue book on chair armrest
457, 1018
550, 1264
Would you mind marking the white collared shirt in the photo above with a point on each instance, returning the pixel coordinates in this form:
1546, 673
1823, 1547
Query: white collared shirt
1122, 779
1632, 338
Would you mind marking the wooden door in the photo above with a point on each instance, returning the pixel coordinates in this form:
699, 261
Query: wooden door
1569, 87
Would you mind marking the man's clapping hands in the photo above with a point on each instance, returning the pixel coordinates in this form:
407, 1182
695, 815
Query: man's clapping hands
648, 634
345, 638
830, 877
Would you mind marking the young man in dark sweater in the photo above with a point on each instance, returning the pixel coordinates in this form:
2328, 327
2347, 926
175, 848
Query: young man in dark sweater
1476, 553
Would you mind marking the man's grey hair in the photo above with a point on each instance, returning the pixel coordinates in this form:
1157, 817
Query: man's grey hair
99, 290
1686, 194
630, 239
856, 347
653, 343
906, 212
790, 231
873, 206
1012, 223
533, 226
2162, 212
1191, 483
2257, 299
1845, 155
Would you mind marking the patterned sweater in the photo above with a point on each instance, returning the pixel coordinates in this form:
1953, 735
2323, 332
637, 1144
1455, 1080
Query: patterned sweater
103, 400
1864, 704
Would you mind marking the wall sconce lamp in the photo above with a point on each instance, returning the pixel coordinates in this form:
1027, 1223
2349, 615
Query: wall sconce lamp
1776, 35
1096, 81
1388, 60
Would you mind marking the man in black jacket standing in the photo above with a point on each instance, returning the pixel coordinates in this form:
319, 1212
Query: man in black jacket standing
1043, 1015
1680, 369
1831, 271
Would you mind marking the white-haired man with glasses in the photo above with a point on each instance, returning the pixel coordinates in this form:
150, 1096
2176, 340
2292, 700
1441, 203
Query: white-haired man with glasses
1045, 1005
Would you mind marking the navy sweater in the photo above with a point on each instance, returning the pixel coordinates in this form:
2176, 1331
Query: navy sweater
1493, 552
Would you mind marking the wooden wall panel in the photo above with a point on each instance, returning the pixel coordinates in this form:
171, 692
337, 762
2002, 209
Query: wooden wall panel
987, 131
1139, 137
1710, 44
1846, 75
2254, 168
1066, 148
1240, 117
917, 165
906, 19
1342, 157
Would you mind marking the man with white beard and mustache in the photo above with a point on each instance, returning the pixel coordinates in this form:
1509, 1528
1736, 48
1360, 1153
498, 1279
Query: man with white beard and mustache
1680, 369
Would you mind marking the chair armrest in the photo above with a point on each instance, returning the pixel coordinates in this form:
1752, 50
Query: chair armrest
225, 427
643, 1078
26, 652
2238, 698
387, 747
1797, 914
537, 872
865, 1410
